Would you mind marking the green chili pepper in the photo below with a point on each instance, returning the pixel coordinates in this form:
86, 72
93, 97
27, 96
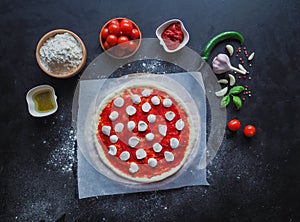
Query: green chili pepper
219, 38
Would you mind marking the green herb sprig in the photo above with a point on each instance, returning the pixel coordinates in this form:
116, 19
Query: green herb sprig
233, 92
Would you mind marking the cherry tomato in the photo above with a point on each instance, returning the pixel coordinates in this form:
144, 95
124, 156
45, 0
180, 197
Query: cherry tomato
112, 40
249, 131
126, 27
114, 29
104, 33
106, 45
134, 34
234, 125
122, 39
114, 21
126, 21
118, 51
131, 46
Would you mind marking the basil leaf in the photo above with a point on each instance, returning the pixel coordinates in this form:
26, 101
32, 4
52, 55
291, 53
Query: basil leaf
236, 90
225, 101
237, 102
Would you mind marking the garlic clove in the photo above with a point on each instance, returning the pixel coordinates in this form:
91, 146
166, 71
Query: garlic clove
242, 68
251, 56
223, 81
230, 49
222, 92
231, 79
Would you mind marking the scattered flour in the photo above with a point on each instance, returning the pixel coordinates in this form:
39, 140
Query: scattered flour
63, 157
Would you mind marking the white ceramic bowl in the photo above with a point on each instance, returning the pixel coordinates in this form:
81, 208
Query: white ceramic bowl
32, 106
165, 25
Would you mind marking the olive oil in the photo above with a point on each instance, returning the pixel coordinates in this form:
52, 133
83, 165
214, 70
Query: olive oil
43, 101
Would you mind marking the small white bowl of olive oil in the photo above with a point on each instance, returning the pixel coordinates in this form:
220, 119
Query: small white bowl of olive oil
41, 101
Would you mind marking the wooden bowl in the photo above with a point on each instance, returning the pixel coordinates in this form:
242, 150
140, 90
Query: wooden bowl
58, 75
112, 51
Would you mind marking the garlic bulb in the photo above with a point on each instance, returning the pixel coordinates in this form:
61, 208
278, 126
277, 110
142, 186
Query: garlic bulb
221, 64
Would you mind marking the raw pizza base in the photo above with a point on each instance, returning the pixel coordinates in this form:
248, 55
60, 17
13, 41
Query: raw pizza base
144, 179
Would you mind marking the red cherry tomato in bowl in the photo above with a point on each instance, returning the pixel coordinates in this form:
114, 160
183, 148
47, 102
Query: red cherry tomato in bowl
234, 125
135, 34
131, 46
122, 41
112, 40
114, 29
126, 27
114, 21
249, 131
104, 33
106, 45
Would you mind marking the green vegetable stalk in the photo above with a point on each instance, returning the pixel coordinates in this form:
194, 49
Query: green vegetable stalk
219, 38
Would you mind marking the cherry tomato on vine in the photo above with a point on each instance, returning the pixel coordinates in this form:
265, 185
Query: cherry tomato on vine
134, 34
114, 29
126, 27
112, 40
249, 131
104, 33
234, 125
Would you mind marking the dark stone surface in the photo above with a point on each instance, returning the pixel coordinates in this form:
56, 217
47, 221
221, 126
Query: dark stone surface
251, 179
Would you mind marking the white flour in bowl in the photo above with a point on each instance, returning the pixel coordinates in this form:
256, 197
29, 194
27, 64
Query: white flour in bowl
61, 54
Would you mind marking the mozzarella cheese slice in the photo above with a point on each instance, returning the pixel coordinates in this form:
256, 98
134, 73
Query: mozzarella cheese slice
106, 130
146, 107
174, 143
119, 102
170, 115
133, 168
157, 147
131, 125
124, 156
167, 103
119, 127
179, 125
152, 162
112, 150
133, 141
151, 118
130, 110
146, 92
149, 137
162, 129
114, 115
113, 139
155, 100
169, 157
136, 99
142, 126
140, 154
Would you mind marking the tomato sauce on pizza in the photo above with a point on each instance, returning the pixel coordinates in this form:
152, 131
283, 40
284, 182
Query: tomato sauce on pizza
143, 133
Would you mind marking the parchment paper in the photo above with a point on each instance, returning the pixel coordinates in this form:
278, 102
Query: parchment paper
96, 180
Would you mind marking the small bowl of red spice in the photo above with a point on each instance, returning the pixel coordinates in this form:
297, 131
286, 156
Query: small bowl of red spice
172, 35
